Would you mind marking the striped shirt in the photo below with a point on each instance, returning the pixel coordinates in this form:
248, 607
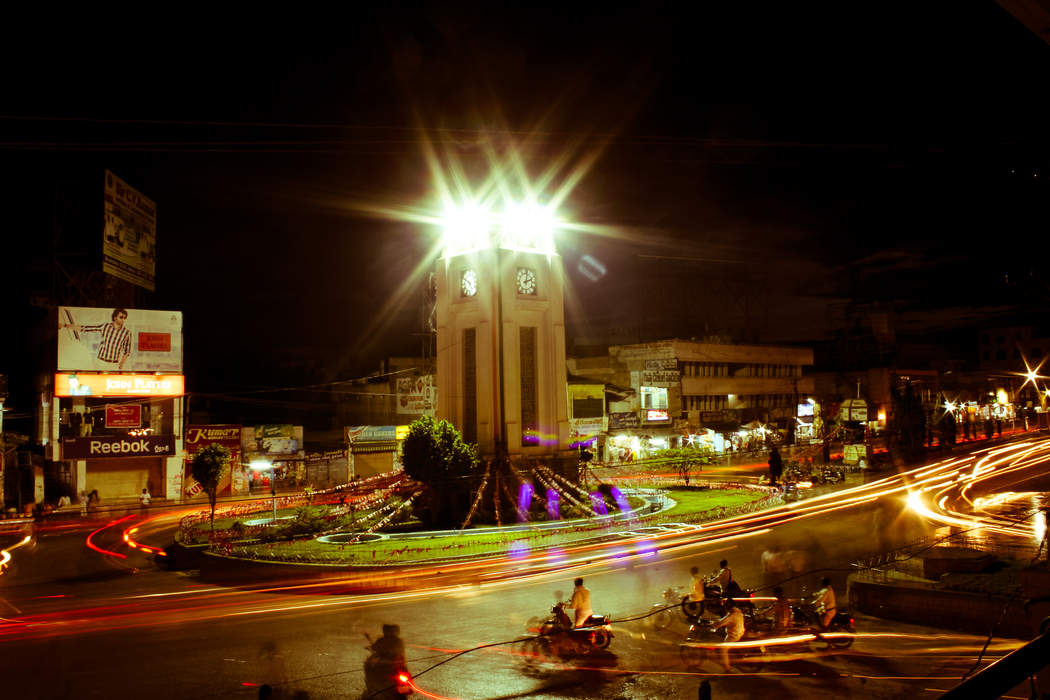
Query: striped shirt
116, 341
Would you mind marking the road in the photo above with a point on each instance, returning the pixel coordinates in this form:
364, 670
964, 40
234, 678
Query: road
78, 622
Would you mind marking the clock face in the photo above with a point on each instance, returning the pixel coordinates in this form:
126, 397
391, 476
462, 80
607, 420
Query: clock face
526, 281
468, 283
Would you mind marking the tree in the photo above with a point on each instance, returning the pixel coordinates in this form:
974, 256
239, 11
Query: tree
207, 467
435, 455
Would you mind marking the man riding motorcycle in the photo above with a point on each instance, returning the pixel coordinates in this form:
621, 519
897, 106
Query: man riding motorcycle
724, 576
733, 622
824, 602
580, 603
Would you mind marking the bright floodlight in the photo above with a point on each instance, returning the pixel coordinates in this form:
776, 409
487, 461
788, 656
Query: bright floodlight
465, 228
529, 226
260, 465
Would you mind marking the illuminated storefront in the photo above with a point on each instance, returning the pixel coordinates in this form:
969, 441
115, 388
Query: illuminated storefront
110, 417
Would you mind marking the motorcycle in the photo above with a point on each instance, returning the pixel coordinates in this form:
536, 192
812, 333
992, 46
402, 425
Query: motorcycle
715, 601
663, 616
702, 643
839, 632
832, 475
558, 634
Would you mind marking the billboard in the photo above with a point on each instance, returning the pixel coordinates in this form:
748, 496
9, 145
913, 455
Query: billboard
119, 340
74, 384
129, 239
416, 396
273, 439
232, 481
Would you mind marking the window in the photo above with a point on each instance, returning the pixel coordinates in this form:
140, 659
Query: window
529, 411
588, 408
654, 397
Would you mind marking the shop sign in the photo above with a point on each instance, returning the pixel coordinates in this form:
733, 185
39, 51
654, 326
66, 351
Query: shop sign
854, 410
119, 385
661, 364
109, 446
657, 414
197, 436
624, 420
585, 427
370, 433
664, 378
710, 416
122, 416
852, 454
326, 456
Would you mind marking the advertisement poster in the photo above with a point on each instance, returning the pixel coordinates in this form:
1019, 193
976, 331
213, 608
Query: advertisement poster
416, 396
119, 340
129, 239
273, 439
123, 416
197, 436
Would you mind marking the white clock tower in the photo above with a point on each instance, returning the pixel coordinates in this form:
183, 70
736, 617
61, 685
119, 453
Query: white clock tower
501, 332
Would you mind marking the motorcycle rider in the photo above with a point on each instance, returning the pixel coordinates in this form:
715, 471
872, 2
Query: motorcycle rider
580, 603
733, 622
824, 602
387, 658
724, 577
696, 590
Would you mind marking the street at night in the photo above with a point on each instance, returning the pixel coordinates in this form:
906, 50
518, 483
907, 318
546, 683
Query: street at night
478, 353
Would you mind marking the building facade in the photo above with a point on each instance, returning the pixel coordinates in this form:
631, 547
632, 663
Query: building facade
676, 392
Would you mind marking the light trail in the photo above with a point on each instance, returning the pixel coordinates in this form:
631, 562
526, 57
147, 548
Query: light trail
107, 552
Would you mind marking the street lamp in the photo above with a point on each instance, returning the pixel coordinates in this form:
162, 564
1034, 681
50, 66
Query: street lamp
262, 465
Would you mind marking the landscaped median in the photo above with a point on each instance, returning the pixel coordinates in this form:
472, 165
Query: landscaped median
329, 536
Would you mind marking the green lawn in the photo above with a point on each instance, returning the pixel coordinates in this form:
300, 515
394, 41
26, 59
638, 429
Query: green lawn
482, 541
689, 500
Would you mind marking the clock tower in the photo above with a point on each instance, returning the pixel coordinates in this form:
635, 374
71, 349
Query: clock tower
501, 332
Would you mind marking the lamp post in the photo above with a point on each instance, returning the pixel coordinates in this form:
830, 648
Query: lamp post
263, 465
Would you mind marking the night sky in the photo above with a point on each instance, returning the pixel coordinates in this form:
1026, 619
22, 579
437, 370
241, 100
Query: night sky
883, 153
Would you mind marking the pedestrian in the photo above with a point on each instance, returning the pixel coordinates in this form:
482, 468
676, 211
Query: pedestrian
144, 501
82, 501
93, 502
776, 465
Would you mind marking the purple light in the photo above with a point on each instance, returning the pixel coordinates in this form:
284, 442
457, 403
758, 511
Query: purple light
553, 505
620, 499
598, 503
524, 500
519, 549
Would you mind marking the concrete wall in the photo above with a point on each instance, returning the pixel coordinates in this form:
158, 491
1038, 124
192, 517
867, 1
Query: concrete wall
974, 613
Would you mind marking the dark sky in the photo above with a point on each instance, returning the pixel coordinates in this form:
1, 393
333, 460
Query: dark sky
895, 151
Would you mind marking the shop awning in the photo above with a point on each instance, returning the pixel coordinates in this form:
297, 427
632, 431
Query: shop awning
722, 427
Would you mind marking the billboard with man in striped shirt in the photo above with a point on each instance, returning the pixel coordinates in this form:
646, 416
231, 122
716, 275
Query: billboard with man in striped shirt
119, 340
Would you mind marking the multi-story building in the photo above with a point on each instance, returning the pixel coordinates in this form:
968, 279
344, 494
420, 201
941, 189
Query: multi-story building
687, 391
